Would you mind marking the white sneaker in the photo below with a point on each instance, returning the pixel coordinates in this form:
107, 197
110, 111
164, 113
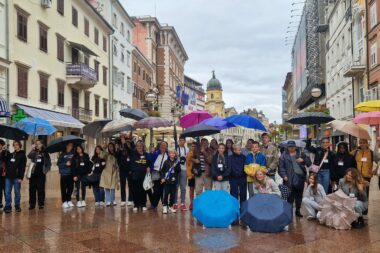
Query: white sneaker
165, 210
286, 228
97, 204
65, 205
172, 210
70, 204
135, 209
114, 203
101, 203
310, 217
79, 204
130, 203
122, 204
144, 209
108, 204
83, 203
318, 215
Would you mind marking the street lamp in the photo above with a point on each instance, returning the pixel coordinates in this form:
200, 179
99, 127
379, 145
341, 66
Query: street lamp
151, 97
316, 92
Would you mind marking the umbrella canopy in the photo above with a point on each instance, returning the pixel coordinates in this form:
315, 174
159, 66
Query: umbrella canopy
369, 106
266, 213
368, 118
310, 118
338, 210
133, 113
216, 209
152, 122
351, 128
12, 133
200, 130
94, 129
299, 143
120, 125
35, 126
218, 123
59, 144
246, 121
194, 118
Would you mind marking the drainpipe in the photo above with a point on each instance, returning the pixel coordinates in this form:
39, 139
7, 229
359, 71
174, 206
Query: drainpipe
7, 54
110, 63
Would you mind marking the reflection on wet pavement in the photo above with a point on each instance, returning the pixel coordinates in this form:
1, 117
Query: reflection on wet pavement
216, 239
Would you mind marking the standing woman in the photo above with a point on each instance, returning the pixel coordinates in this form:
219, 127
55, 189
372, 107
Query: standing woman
229, 147
99, 164
14, 173
65, 166
124, 162
190, 175
110, 175
42, 162
220, 170
82, 167
214, 146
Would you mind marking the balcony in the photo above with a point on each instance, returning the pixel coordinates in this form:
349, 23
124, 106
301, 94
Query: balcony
80, 76
371, 94
82, 114
354, 69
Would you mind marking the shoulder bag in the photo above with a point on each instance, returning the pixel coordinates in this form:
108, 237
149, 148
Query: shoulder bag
315, 168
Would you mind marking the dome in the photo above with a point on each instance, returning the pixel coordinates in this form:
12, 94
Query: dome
214, 84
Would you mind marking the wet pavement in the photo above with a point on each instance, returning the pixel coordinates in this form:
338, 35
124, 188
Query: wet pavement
117, 229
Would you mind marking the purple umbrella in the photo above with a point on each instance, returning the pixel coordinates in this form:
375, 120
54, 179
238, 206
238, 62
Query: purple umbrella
218, 123
194, 118
152, 122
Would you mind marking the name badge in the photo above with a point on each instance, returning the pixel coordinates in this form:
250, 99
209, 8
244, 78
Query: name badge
326, 161
220, 165
352, 195
13, 160
173, 179
142, 157
340, 163
103, 163
81, 164
39, 160
364, 159
97, 165
128, 160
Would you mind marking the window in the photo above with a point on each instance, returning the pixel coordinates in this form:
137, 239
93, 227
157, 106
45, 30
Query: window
114, 49
373, 14
122, 57
129, 85
212, 96
139, 70
74, 17
61, 7
122, 29
104, 75
361, 90
134, 67
60, 48
22, 81
114, 20
129, 36
105, 102
44, 87
104, 43
86, 60
86, 27
128, 59
374, 54
96, 36
43, 37
22, 25
122, 76
143, 74
96, 65
61, 92
96, 106
87, 100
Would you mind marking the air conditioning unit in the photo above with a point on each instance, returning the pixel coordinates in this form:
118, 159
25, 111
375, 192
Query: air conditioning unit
46, 3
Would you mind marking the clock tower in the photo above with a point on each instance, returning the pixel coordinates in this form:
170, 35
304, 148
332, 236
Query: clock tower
214, 101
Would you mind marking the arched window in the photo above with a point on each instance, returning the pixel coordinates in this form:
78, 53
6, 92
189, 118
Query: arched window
212, 96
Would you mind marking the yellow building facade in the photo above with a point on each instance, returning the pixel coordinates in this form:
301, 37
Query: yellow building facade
214, 100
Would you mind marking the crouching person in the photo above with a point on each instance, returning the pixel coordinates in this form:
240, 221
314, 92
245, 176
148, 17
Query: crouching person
313, 197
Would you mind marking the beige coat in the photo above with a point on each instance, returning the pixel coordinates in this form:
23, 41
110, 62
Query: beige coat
110, 174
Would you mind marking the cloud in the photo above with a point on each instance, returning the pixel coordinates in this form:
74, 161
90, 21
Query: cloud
242, 40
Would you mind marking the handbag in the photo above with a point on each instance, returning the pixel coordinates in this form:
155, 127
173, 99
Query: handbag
285, 191
315, 168
148, 183
30, 170
155, 175
92, 179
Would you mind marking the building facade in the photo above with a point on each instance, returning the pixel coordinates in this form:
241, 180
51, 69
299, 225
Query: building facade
4, 60
288, 109
214, 100
196, 95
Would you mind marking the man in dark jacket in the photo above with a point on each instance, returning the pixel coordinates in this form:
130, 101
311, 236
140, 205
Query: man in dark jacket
343, 161
14, 173
3, 159
238, 178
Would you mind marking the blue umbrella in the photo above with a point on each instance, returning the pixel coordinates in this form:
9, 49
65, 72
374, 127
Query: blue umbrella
218, 123
246, 121
267, 213
216, 209
35, 126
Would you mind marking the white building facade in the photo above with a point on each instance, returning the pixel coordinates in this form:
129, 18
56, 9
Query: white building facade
4, 62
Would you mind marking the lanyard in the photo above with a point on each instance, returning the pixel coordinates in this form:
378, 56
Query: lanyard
179, 151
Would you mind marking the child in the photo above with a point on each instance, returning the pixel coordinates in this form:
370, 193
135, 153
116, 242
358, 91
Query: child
238, 178
253, 161
220, 170
169, 178
313, 196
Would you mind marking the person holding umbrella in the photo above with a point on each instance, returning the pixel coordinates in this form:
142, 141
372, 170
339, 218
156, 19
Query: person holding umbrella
81, 168
37, 181
4, 153
271, 155
202, 159
343, 161
65, 166
110, 175
220, 170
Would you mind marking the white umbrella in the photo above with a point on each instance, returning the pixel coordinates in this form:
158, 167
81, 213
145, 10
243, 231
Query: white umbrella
120, 125
351, 128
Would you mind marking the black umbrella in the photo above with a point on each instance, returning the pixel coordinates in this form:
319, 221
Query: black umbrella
132, 113
59, 144
310, 118
200, 130
12, 133
94, 129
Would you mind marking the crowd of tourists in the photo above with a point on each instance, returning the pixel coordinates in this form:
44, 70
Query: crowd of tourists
241, 171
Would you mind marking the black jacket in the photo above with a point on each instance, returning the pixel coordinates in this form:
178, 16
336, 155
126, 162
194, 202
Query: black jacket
319, 154
15, 166
42, 167
99, 164
170, 178
81, 165
236, 166
339, 170
124, 161
4, 154
223, 171
139, 165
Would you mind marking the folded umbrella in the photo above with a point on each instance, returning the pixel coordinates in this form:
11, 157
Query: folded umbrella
59, 144
216, 209
351, 128
246, 121
267, 213
94, 129
218, 123
12, 133
199, 130
133, 113
368, 118
152, 122
35, 126
310, 118
194, 118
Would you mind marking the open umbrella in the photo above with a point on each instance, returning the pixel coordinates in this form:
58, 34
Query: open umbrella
200, 130
218, 123
94, 129
59, 144
133, 113
12, 133
310, 118
152, 122
119, 125
351, 128
369, 106
35, 126
194, 118
368, 118
266, 213
246, 121
216, 209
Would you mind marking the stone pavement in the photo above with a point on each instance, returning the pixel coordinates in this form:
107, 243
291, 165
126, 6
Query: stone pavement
116, 229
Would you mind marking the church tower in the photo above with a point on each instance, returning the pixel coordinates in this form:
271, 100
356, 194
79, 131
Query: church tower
214, 101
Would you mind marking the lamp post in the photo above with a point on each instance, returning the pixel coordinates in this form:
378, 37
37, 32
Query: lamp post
151, 97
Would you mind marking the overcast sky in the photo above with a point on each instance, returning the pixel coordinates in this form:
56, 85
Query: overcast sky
242, 40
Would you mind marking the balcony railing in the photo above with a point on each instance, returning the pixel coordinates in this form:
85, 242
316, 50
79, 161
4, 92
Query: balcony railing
372, 94
353, 69
81, 75
82, 114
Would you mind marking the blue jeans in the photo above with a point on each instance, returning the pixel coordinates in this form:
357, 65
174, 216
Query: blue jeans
98, 193
9, 184
324, 179
110, 195
238, 188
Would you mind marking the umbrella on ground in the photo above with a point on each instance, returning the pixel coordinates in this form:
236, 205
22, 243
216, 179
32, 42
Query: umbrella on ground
299, 143
200, 130
194, 118
368, 118
266, 213
246, 121
338, 210
310, 118
369, 106
59, 144
94, 129
218, 123
216, 209
152, 122
12, 133
119, 125
133, 113
35, 126
351, 128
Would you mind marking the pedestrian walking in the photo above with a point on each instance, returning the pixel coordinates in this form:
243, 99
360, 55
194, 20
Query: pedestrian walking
110, 175
264, 183
313, 197
238, 178
182, 152
81, 168
202, 159
95, 175
254, 160
220, 170
4, 153
190, 175
169, 179
270, 152
65, 166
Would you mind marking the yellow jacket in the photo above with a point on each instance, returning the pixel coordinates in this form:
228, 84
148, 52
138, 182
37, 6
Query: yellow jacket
364, 162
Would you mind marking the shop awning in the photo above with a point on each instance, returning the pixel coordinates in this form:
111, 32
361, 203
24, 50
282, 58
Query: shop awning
82, 48
4, 108
55, 118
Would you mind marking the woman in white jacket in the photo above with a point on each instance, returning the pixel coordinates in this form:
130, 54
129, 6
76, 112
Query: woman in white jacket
313, 197
264, 184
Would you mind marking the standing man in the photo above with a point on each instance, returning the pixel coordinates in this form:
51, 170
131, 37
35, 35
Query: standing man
248, 147
4, 153
202, 160
182, 152
271, 155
